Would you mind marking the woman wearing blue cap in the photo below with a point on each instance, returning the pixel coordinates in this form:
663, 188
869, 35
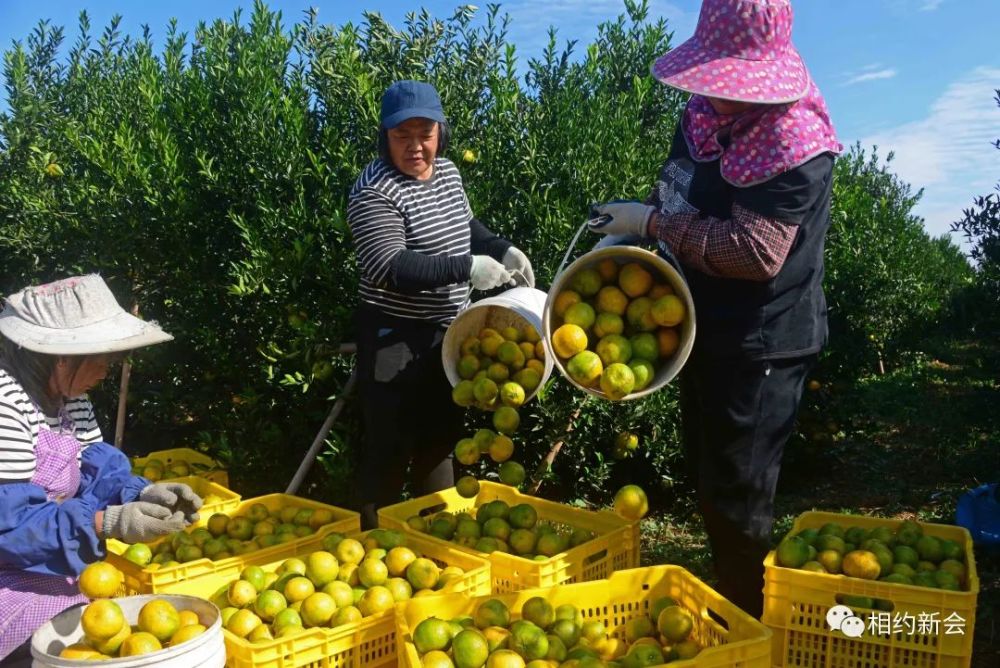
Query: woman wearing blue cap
420, 249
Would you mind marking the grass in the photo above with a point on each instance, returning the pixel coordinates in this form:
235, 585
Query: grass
903, 445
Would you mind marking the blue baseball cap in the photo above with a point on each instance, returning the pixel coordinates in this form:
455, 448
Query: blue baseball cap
404, 100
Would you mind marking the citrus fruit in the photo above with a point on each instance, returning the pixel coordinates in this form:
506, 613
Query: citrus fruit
298, 588
608, 269
634, 280
585, 368
614, 348
792, 552
511, 394
506, 420
186, 633
929, 548
138, 554
640, 627
631, 503
467, 367
467, 452
523, 516
668, 341
568, 340
467, 487
492, 612
586, 282
102, 619
317, 609
111, 645
608, 323
505, 658
80, 651
485, 390
512, 473
581, 314
432, 634
645, 347
462, 394
489, 344
372, 572
564, 300
668, 311
241, 593
861, 564
617, 381
470, 649
159, 618
423, 573
501, 449
831, 560
138, 644
529, 377
350, 551
321, 567
674, 623
643, 372
101, 580
640, 315
269, 604
611, 300
538, 611
261, 634
436, 659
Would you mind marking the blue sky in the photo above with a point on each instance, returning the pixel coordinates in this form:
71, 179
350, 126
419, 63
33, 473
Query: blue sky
913, 76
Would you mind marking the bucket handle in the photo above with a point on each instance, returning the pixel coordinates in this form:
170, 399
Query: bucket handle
661, 249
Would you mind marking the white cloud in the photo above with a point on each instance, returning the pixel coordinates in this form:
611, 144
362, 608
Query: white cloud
930, 5
949, 152
871, 75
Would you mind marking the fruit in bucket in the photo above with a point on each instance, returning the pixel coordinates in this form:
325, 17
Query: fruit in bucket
107, 633
614, 339
499, 368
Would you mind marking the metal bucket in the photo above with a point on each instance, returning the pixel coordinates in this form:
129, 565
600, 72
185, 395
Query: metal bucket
205, 651
660, 268
517, 307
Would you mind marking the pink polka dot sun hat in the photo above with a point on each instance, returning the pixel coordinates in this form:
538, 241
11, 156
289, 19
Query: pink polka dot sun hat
742, 51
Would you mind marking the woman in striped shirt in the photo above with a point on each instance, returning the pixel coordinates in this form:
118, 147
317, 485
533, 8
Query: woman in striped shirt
420, 250
62, 491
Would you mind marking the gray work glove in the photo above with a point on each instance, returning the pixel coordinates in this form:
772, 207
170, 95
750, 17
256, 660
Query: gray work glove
487, 273
621, 219
173, 496
141, 522
519, 266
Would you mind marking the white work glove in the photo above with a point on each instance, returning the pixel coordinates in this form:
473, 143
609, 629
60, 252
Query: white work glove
140, 522
519, 266
173, 496
487, 273
621, 219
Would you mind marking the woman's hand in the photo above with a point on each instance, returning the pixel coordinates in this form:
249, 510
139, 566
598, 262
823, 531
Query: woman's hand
140, 522
629, 219
487, 273
519, 266
173, 496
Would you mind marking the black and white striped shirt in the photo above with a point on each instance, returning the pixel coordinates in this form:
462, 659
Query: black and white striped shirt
19, 422
391, 214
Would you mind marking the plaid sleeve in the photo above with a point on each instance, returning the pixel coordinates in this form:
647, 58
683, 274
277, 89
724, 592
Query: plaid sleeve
748, 246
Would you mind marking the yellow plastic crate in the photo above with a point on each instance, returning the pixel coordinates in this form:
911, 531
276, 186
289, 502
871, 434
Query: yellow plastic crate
370, 643
615, 547
731, 637
186, 578
229, 500
796, 604
201, 464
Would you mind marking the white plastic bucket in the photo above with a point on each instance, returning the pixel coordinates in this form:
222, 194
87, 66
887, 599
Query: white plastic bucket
661, 269
517, 307
205, 651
